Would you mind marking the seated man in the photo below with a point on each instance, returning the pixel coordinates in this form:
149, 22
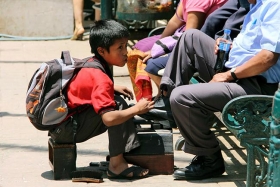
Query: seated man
253, 68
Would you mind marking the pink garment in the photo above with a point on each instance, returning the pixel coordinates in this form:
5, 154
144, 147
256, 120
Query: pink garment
206, 6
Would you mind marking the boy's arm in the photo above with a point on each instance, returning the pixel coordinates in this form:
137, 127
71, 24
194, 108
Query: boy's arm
117, 117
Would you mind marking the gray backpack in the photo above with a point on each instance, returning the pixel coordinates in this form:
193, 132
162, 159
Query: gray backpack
46, 104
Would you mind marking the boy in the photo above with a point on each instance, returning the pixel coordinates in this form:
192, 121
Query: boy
95, 89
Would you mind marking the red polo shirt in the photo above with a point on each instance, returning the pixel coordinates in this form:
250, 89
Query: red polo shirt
92, 86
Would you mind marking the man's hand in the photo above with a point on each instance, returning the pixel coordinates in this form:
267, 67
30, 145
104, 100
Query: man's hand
124, 91
216, 48
222, 77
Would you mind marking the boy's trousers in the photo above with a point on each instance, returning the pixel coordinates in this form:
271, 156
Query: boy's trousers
122, 137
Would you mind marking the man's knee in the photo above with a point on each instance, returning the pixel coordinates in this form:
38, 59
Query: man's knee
191, 33
180, 96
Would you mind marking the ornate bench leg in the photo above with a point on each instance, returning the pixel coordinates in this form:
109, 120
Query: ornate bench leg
179, 143
274, 144
250, 166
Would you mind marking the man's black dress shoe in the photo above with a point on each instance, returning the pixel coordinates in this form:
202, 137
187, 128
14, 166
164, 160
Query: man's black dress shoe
202, 167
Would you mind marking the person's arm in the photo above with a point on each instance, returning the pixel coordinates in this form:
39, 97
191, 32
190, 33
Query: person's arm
195, 20
174, 23
117, 117
255, 66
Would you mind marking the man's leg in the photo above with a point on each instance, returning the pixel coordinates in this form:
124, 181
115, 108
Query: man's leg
194, 52
193, 107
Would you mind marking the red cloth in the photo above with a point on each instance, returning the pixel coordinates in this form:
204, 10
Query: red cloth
140, 79
91, 86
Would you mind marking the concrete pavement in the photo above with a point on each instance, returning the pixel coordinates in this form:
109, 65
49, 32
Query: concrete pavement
24, 151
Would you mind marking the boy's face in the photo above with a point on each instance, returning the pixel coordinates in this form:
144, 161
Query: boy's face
118, 53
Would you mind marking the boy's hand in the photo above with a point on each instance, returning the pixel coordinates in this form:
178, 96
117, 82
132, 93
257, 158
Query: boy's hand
143, 105
124, 91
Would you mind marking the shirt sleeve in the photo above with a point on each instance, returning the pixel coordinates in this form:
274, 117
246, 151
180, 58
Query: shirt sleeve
270, 27
198, 5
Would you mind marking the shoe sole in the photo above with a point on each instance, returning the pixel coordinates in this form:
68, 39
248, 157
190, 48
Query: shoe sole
215, 173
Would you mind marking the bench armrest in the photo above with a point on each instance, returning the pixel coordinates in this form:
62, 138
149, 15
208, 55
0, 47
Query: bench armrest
249, 117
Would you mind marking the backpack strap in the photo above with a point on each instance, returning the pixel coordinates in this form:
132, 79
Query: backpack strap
65, 55
85, 63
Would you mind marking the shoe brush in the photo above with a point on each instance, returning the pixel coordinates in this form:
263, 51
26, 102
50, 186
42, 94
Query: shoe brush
89, 176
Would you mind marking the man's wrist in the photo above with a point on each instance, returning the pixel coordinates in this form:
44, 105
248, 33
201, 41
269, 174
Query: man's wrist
233, 75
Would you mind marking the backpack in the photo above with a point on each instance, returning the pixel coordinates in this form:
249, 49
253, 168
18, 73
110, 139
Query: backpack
46, 104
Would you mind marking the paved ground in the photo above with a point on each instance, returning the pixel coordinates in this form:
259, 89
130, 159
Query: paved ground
24, 151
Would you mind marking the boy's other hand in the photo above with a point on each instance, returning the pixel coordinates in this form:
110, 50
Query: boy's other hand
124, 91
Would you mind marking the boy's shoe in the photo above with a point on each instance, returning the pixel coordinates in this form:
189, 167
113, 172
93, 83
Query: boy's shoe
202, 167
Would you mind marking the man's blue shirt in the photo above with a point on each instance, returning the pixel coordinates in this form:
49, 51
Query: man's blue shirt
261, 30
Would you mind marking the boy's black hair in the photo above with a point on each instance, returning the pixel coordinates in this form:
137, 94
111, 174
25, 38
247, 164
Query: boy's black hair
103, 34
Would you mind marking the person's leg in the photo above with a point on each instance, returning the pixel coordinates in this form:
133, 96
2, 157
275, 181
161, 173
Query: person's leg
122, 138
194, 52
193, 107
79, 30
89, 124
152, 68
156, 80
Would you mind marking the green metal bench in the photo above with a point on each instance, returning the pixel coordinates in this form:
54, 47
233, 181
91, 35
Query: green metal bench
254, 120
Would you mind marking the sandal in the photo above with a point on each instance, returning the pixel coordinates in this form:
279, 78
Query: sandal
135, 170
78, 37
78, 34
